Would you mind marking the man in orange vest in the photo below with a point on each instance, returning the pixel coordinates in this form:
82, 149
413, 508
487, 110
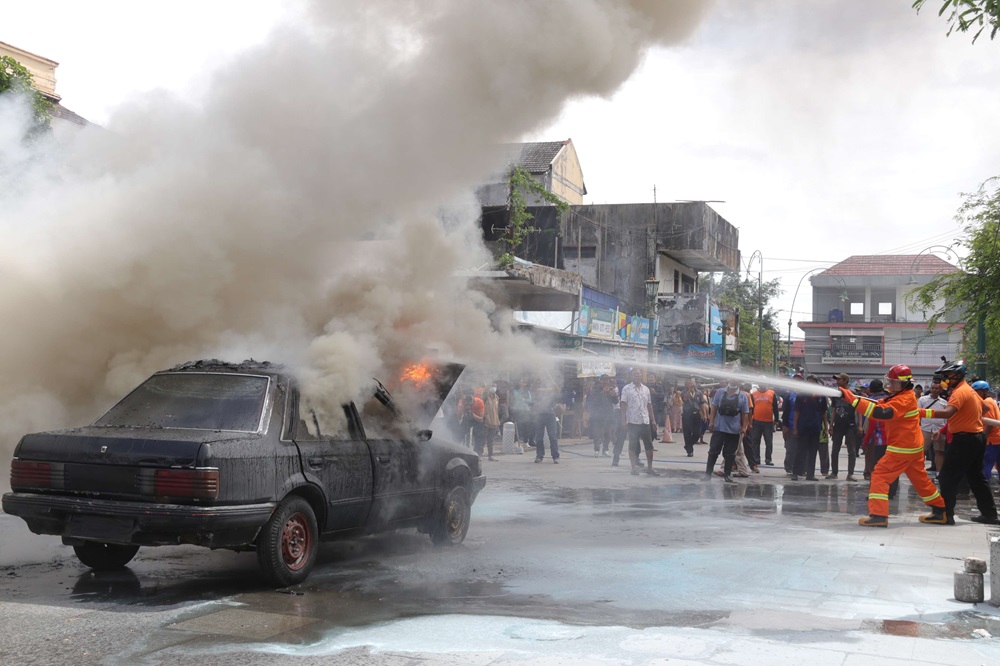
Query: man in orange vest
764, 415
964, 456
992, 456
904, 449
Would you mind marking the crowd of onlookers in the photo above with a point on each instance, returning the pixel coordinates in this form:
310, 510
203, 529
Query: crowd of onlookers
542, 412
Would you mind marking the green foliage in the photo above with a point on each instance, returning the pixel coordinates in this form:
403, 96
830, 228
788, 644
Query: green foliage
975, 289
967, 15
15, 79
521, 187
738, 292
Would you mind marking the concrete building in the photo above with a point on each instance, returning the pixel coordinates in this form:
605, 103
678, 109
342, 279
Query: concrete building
43, 73
863, 323
554, 164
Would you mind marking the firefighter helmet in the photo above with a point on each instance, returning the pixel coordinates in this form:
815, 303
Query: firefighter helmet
901, 372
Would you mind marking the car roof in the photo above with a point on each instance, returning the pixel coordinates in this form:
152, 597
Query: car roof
249, 367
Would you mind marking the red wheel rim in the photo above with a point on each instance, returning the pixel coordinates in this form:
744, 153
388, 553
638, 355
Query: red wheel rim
296, 541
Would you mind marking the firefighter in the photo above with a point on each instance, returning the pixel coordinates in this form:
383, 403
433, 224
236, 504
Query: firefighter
964, 456
904, 452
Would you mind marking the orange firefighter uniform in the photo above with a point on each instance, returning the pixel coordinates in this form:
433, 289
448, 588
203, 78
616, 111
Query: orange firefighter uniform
904, 451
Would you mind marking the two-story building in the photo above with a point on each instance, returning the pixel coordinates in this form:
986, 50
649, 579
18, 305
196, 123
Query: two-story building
863, 322
43, 78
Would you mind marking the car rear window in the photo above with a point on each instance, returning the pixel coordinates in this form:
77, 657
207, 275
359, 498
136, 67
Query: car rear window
201, 401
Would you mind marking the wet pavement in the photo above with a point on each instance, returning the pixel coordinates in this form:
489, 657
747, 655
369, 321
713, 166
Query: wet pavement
572, 563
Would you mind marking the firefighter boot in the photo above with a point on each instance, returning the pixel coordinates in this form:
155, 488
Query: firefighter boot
874, 521
938, 516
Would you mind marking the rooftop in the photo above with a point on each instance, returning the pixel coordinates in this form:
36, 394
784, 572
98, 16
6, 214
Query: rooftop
890, 264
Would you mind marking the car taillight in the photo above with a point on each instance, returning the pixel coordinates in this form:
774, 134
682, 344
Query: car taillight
192, 483
34, 474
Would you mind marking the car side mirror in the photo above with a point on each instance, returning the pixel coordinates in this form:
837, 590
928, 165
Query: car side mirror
424, 435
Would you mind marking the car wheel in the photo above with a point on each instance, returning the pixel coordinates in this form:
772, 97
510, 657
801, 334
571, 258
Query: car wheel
287, 546
105, 556
452, 521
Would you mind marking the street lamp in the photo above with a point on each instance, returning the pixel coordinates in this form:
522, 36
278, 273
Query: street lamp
947, 251
652, 289
775, 339
760, 304
792, 311
724, 315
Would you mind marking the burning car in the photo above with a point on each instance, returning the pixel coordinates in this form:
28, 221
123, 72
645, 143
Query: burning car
229, 456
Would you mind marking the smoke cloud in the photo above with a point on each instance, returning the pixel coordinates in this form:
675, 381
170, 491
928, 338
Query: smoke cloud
311, 208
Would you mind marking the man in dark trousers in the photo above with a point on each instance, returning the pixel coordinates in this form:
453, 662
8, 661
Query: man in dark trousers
808, 422
844, 431
963, 459
764, 414
728, 420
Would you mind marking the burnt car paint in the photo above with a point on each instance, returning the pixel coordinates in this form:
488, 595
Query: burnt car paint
101, 482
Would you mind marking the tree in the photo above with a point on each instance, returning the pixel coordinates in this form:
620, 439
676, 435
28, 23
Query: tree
519, 187
15, 79
966, 15
738, 292
975, 288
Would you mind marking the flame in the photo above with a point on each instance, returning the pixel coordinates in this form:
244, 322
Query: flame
417, 373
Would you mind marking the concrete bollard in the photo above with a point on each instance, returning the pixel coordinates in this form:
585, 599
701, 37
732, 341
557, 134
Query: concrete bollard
969, 587
507, 438
975, 565
995, 569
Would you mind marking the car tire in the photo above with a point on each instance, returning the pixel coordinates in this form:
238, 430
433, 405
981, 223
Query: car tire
105, 556
287, 546
451, 523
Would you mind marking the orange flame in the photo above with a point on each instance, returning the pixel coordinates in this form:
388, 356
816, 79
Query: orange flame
417, 373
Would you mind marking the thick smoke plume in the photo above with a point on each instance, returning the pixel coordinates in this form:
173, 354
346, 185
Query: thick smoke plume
312, 208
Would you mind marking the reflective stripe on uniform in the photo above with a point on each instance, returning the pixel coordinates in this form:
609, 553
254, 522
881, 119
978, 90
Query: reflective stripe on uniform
937, 493
855, 402
881, 496
869, 409
901, 449
913, 414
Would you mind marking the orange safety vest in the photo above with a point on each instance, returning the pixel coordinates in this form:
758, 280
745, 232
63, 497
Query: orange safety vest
762, 405
902, 431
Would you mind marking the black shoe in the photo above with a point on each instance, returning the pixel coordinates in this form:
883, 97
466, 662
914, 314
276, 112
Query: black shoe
831, 476
767, 462
538, 460
728, 478
794, 477
811, 478
708, 476
555, 462
614, 464
691, 455
985, 520
937, 517
850, 477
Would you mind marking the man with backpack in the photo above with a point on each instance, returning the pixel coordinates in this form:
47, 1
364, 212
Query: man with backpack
728, 420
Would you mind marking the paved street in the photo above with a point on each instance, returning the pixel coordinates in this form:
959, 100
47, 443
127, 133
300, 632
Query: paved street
571, 563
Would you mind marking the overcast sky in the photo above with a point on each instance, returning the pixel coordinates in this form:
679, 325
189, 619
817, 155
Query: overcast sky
827, 127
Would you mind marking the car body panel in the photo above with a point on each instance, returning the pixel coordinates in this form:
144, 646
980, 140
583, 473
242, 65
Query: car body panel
101, 480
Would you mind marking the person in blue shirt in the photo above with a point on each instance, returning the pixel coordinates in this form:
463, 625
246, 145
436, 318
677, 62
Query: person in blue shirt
728, 420
808, 422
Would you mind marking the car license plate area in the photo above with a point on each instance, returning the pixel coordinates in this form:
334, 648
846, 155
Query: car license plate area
100, 528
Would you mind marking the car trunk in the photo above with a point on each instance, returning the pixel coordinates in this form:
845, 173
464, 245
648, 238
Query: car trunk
106, 462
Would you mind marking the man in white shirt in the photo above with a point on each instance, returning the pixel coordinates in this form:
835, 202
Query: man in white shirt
933, 400
637, 418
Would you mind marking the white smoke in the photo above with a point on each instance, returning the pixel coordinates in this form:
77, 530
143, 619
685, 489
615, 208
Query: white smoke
241, 224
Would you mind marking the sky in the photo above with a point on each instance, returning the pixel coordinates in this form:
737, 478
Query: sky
819, 128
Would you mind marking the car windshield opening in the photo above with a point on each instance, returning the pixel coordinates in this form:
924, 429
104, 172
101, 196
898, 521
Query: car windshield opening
199, 401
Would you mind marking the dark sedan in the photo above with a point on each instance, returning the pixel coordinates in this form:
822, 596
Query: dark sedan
230, 456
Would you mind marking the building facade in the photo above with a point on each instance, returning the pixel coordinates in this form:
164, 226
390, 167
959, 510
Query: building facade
863, 320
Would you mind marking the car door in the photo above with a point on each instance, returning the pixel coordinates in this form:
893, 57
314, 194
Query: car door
403, 490
340, 463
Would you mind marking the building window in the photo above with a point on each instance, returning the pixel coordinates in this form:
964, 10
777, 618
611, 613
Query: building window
857, 308
677, 281
885, 308
687, 284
